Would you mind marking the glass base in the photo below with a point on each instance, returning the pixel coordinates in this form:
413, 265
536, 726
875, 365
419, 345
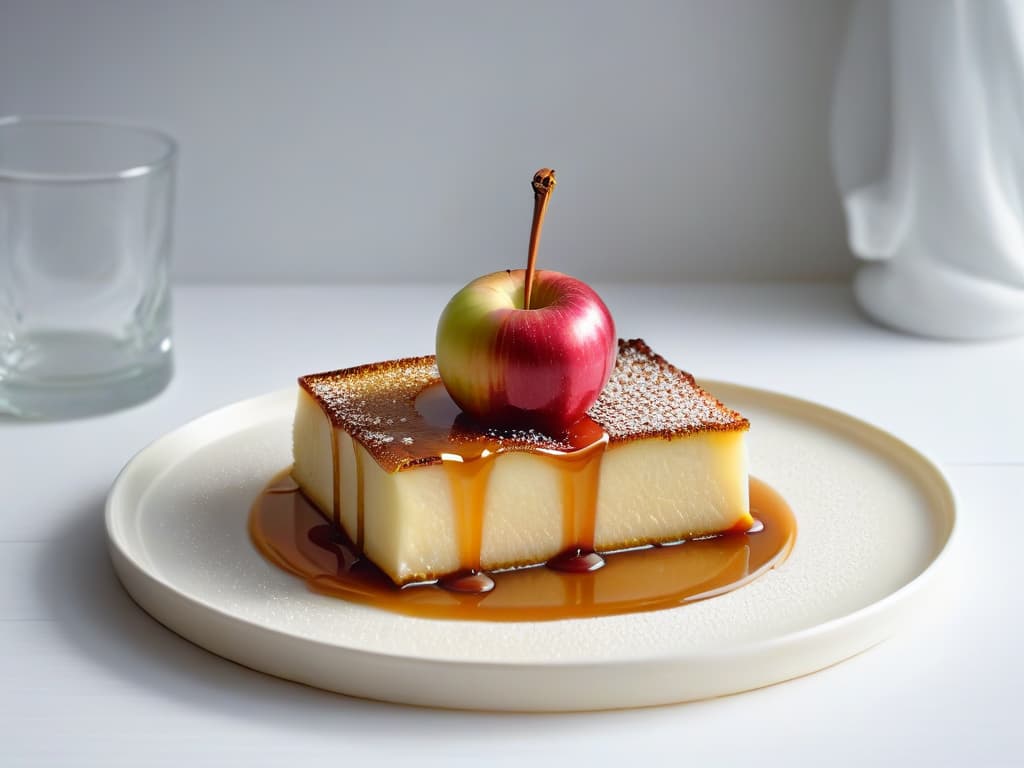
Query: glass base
76, 375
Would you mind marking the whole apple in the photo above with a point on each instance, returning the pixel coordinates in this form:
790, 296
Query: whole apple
541, 367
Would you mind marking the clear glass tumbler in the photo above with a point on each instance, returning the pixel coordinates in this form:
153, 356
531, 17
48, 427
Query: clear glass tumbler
86, 212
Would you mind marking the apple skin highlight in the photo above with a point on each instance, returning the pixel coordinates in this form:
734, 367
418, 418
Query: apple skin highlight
537, 368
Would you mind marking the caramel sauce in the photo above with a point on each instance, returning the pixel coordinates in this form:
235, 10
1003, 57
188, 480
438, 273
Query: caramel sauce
336, 484
290, 532
579, 475
360, 492
468, 479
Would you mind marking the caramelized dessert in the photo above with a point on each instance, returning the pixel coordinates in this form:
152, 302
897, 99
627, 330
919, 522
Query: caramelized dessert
424, 492
533, 438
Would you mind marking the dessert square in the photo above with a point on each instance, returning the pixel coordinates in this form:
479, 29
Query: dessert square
424, 492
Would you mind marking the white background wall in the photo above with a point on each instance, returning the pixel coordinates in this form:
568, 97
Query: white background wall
370, 140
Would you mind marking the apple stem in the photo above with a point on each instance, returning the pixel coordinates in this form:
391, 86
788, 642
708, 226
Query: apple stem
543, 184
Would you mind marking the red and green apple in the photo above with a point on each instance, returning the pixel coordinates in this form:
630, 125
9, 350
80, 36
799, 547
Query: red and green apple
523, 347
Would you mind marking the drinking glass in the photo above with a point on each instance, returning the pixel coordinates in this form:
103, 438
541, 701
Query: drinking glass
86, 213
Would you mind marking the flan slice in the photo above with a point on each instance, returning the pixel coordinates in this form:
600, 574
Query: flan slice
383, 452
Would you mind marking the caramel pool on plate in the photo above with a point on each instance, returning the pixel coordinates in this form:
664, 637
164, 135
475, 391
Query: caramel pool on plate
290, 532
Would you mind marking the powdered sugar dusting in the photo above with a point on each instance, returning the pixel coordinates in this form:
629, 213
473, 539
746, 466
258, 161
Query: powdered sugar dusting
647, 396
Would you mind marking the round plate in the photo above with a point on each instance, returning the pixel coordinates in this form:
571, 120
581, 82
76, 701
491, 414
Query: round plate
873, 518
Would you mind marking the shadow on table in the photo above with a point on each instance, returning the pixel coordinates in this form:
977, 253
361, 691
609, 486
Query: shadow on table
82, 594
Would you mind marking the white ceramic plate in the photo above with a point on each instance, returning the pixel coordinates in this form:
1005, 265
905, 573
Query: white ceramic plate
874, 517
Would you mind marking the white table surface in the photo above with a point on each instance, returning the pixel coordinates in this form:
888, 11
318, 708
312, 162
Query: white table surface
86, 678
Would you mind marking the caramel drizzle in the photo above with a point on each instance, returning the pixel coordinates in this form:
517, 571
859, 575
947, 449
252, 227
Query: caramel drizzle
469, 479
580, 473
336, 480
360, 536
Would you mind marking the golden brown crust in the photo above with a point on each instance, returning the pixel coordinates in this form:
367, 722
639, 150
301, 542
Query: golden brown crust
646, 397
